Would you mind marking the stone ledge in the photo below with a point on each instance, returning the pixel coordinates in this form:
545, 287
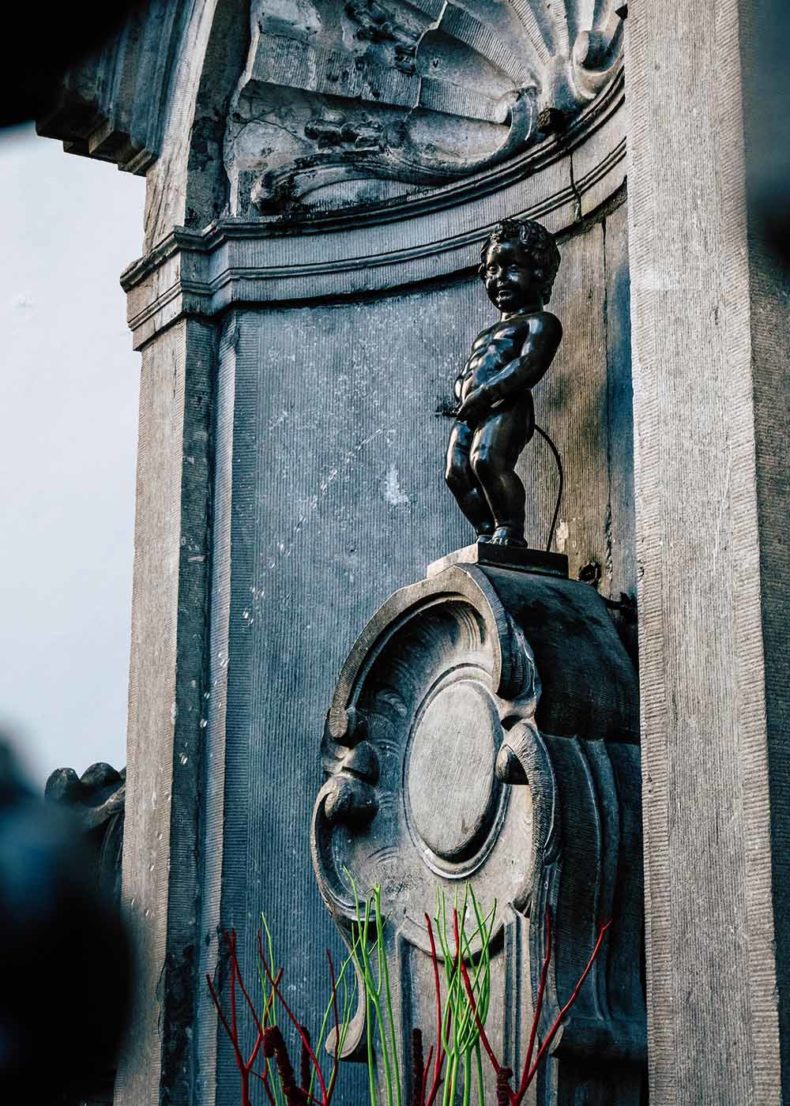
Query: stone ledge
520, 559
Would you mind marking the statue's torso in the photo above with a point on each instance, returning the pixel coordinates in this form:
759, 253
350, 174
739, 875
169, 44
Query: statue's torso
492, 349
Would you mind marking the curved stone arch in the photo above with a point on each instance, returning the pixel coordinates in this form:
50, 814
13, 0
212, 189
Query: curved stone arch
206, 181
458, 585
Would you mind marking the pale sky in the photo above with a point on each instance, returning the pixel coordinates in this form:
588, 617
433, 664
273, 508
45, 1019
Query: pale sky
68, 427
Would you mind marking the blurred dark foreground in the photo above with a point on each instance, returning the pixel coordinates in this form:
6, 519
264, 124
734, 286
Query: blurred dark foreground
65, 964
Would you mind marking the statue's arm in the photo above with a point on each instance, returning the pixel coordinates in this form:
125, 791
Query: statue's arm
529, 367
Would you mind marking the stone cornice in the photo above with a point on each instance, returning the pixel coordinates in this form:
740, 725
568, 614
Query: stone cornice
385, 249
112, 104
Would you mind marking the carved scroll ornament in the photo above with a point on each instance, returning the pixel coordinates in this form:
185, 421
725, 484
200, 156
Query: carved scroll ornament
442, 768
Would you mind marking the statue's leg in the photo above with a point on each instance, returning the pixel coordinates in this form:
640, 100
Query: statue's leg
461, 481
495, 449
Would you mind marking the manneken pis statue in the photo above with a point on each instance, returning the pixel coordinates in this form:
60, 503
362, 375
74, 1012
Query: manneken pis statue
496, 417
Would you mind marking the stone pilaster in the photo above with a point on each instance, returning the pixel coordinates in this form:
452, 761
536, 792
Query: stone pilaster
709, 356
167, 707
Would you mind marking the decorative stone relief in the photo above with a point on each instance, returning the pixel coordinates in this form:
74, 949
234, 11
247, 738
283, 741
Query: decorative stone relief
97, 798
447, 762
367, 101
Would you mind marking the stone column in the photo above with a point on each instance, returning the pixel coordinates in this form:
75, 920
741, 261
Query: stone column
710, 345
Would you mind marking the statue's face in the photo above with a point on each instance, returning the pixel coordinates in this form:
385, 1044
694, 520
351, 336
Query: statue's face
509, 277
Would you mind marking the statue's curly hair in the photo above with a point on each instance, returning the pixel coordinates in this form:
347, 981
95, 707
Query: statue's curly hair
535, 241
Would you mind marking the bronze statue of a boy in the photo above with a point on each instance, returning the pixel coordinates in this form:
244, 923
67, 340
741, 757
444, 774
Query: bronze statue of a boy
496, 415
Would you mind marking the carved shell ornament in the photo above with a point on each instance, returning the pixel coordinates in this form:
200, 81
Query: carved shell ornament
364, 101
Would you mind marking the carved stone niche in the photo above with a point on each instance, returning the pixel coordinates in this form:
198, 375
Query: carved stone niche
484, 729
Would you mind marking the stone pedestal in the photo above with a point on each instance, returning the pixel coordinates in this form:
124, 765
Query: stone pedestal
483, 731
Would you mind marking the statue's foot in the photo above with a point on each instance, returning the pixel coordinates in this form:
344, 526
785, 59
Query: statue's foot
484, 535
507, 535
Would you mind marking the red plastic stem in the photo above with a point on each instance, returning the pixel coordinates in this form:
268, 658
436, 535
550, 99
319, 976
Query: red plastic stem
250, 1004
439, 1055
264, 1078
294, 1021
261, 1024
425, 1073
544, 971
224, 1020
558, 1020
245, 1068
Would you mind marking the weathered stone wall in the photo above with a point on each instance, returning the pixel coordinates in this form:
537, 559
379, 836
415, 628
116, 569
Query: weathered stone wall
325, 493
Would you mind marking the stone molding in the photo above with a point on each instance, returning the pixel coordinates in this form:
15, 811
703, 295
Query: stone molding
272, 259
